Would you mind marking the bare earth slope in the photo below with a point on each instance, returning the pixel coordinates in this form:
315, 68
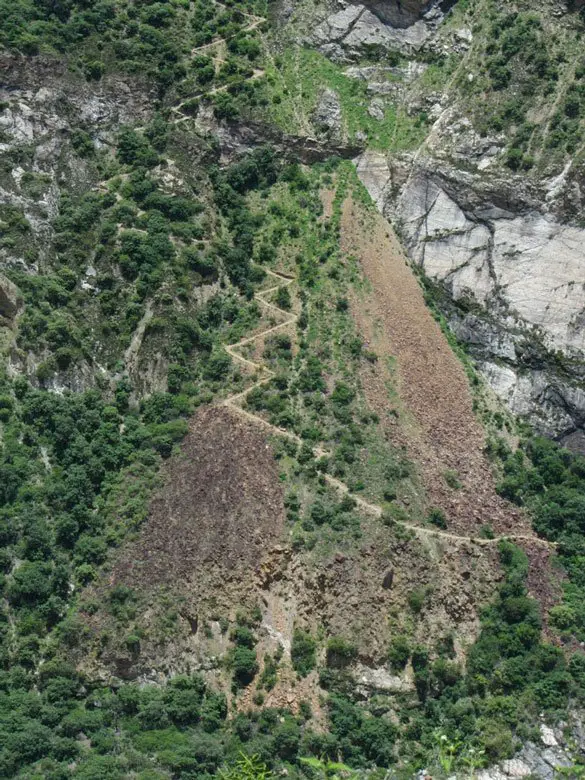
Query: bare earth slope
221, 508
437, 421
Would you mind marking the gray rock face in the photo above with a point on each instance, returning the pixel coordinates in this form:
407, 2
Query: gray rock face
43, 104
515, 271
355, 31
10, 299
542, 759
376, 109
399, 13
327, 115
485, 255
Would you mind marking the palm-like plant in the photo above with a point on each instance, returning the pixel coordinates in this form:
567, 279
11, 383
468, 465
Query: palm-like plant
246, 768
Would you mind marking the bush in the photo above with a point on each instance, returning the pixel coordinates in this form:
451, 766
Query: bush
437, 517
303, 653
340, 651
398, 653
282, 298
416, 599
244, 665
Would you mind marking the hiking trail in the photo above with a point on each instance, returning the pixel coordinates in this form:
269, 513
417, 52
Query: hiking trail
235, 403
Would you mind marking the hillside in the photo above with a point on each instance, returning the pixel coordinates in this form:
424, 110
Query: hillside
291, 316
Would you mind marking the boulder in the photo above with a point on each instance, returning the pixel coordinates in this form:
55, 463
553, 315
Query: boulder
327, 117
376, 109
10, 299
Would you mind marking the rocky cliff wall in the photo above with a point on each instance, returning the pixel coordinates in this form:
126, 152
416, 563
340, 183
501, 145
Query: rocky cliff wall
513, 273
500, 237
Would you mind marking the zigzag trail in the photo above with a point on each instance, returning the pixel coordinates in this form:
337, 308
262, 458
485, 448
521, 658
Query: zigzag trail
255, 22
234, 402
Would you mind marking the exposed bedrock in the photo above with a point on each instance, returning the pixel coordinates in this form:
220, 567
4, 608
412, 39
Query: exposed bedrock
514, 275
361, 29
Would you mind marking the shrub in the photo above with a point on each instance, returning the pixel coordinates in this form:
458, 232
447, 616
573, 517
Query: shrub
303, 652
437, 517
244, 665
340, 651
398, 653
452, 479
416, 599
283, 299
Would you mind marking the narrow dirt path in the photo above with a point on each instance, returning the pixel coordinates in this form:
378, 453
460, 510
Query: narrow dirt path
235, 403
255, 21
258, 73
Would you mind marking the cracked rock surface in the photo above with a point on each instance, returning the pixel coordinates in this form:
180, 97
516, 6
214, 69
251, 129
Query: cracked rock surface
513, 268
355, 31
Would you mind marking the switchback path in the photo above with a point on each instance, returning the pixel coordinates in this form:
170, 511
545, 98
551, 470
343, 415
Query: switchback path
255, 21
235, 402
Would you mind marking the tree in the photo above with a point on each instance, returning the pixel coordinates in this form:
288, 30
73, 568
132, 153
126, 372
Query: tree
283, 300
302, 653
244, 664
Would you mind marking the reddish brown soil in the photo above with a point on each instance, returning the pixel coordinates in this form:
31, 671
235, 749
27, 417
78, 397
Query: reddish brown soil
220, 509
544, 581
327, 198
436, 418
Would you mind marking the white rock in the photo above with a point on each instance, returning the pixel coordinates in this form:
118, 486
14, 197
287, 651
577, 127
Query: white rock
547, 736
381, 680
493, 773
355, 30
540, 266
516, 768
376, 109
374, 173
464, 34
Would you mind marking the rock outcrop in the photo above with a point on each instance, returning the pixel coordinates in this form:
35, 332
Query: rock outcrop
355, 31
513, 270
399, 13
327, 115
10, 300
543, 758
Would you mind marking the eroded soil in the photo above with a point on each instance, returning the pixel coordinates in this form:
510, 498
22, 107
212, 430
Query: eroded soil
220, 510
434, 403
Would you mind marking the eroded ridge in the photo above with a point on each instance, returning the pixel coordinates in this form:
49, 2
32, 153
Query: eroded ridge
235, 402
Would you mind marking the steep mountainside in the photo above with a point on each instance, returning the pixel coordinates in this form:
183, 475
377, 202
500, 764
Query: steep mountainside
493, 190
288, 291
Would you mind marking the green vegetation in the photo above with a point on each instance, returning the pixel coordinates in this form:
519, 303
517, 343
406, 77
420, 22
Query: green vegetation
329, 350
550, 481
302, 653
529, 72
61, 522
154, 39
300, 75
140, 269
398, 654
78, 469
247, 768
